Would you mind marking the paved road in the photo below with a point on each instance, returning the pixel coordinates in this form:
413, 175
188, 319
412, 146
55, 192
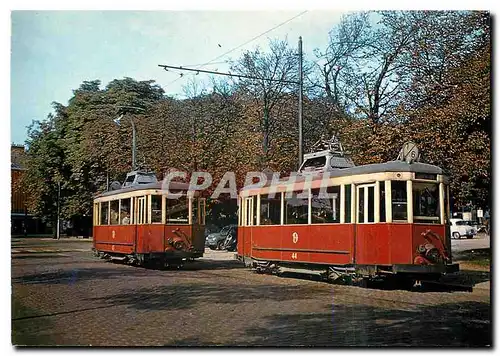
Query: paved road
64, 296
480, 241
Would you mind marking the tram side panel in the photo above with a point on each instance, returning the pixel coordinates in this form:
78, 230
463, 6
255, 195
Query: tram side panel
115, 238
150, 238
383, 244
331, 244
265, 242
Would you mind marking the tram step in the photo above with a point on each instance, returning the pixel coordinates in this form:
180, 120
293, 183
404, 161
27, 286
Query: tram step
301, 270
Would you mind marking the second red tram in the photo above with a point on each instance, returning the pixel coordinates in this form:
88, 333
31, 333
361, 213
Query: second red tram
378, 220
143, 225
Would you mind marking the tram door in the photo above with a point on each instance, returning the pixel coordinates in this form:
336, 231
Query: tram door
365, 204
141, 211
365, 245
249, 212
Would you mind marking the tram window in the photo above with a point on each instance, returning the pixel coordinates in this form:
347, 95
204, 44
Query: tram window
178, 211
270, 210
426, 202
113, 216
347, 203
399, 202
314, 163
382, 201
296, 209
156, 209
202, 211
194, 211
371, 205
104, 213
361, 207
446, 205
325, 209
96, 214
125, 211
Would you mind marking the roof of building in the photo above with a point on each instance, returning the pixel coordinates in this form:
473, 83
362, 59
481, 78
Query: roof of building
16, 155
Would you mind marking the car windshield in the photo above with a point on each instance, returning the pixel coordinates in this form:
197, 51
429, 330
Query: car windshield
461, 223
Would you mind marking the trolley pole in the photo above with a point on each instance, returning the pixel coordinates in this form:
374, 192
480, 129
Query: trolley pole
300, 103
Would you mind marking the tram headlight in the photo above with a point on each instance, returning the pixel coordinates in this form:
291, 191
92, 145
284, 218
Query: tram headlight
433, 255
178, 245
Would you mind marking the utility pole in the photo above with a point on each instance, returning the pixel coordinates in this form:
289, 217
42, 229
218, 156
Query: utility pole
134, 142
301, 155
58, 227
134, 153
300, 83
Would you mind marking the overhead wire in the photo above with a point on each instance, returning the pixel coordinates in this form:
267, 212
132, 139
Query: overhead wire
237, 47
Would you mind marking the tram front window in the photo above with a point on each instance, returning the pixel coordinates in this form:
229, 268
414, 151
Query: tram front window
399, 201
178, 211
425, 202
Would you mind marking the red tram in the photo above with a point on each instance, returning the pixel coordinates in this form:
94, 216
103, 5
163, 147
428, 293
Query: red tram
379, 220
141, 224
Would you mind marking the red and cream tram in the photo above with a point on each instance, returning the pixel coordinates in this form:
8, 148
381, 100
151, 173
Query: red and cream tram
378, 219
142, 224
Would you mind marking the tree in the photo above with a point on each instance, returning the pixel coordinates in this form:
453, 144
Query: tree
273, 68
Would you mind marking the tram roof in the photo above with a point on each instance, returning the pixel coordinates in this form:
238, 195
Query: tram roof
175, 186
391, 166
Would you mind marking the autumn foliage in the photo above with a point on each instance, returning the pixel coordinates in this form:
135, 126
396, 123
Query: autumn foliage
427, 81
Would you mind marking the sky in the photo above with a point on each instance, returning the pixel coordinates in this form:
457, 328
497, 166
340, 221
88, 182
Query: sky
53, 52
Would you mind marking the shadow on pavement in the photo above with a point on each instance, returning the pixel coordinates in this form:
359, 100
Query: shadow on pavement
184, 296
460, 324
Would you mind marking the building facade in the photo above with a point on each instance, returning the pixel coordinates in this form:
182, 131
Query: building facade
22, 222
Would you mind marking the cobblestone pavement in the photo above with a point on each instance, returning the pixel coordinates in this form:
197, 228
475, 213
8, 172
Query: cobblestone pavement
62, 295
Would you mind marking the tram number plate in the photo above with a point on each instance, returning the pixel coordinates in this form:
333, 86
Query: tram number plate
294, 256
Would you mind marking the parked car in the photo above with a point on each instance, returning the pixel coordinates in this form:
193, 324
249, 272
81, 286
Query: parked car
215, 241
231, 242
461, 228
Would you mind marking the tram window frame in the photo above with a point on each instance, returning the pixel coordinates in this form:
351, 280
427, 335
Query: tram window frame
114, 218
417, 203
104, 208
156, 218
96, 214
395, 185
168, 207
382, 197
266, 220
300, 220
202, 206
347, 203
365, 203
137, 210
123, 208
195, 211
334, 201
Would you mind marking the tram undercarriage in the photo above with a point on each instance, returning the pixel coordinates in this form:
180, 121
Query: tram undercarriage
150, 260
403, 275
